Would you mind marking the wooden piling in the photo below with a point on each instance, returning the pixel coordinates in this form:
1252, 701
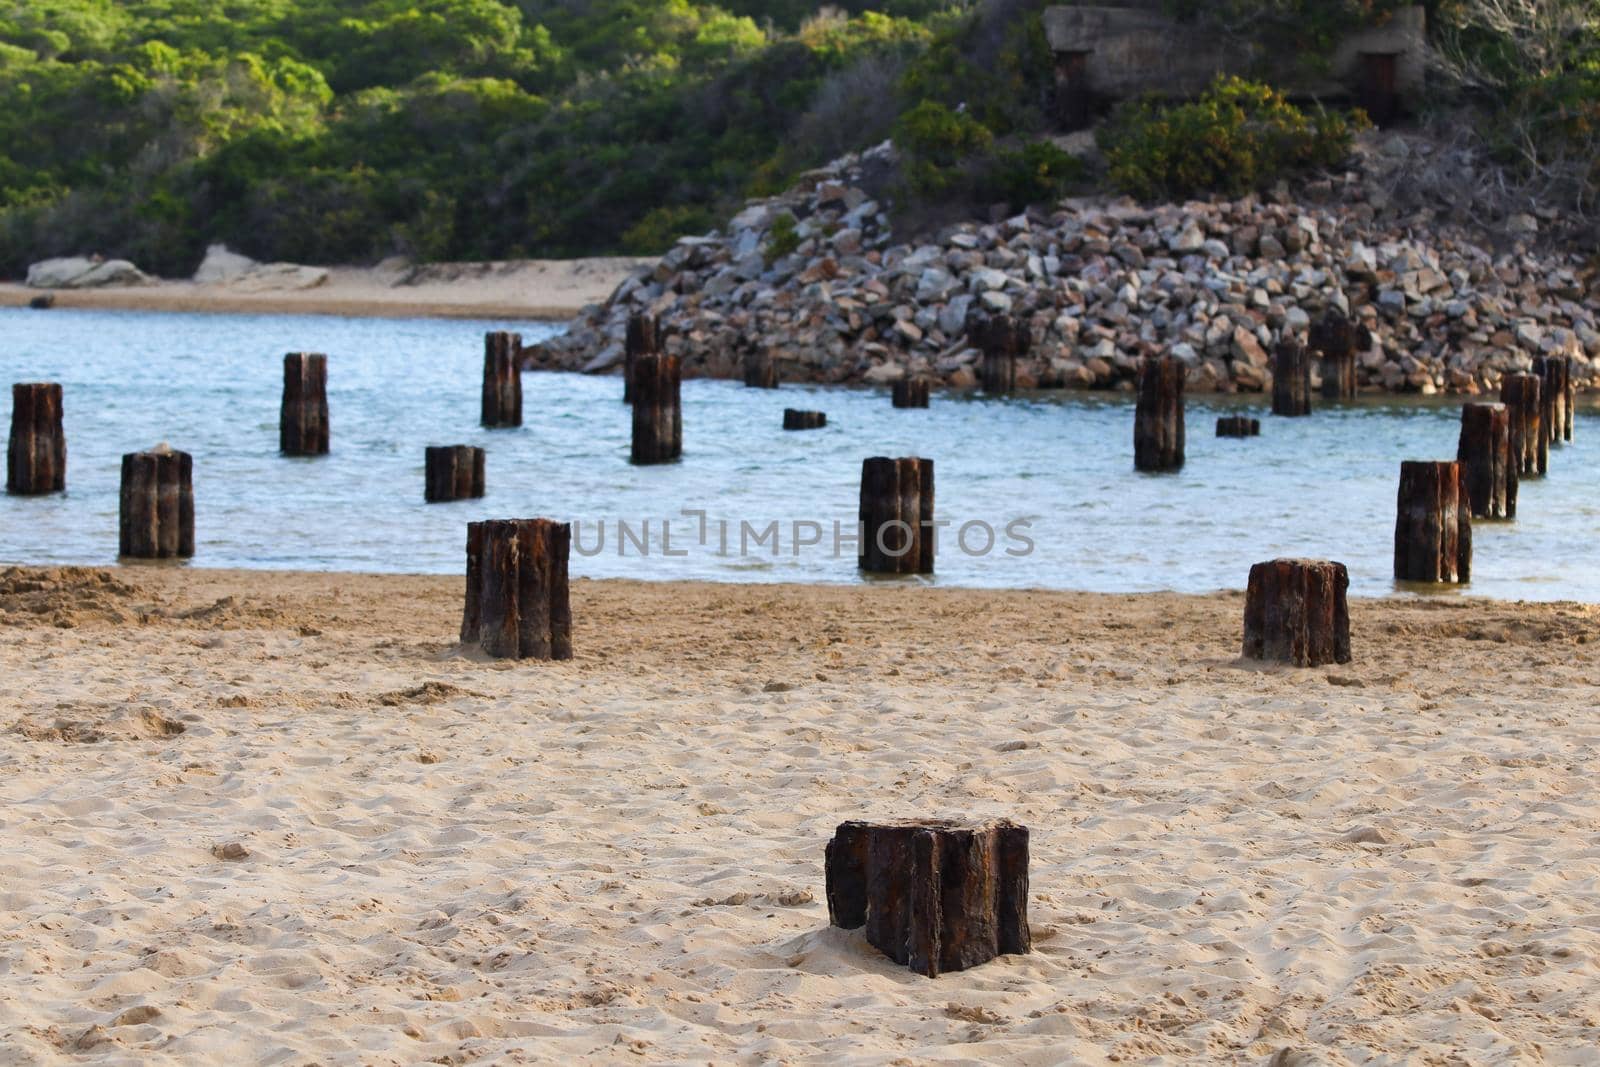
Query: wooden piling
1158, 437
1295, 611
1433, 524
934, 896
910, 393
156, 517
1003, 339
1522, 396
452, 472
1238, 426
303, 423
36, 454
643, 339
43, 302
1333, 338
760, 372
1487, 462
517, 604
1556, 396
803, 420
1291, 378
897, 535
657, 414
502, 379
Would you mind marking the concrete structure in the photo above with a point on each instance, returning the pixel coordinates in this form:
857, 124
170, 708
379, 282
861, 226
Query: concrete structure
1108, 52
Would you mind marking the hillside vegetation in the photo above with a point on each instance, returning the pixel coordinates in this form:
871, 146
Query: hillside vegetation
348, 130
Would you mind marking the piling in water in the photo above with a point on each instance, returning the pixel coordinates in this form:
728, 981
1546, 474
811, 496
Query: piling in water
1158, 440
303, 422
502, 379
36, 455
156, 517
1291, 378
1487, 462
1433, 523
657, 414
897, 535
452, 472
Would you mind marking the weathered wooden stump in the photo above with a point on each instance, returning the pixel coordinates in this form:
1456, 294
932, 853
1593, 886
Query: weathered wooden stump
502, 379
1291, 378
1238, 426
1522, 396
303, 423
760, 372
1433, 524
803, 420
452, 472
934, 896
910, 393
43, 302
1003, 339
516, 603
156, 519
1556, 394
1158, 419
657, 414
1333, 337
897, 535
1487, 463
1295, 611
36, 455
643, 339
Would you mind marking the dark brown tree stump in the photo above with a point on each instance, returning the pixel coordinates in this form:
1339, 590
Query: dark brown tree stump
1555, 391
36, 456
156, 519
897, 535
303, 424
516, 603
1291, 378
502, 379
1487, 463
43, 303
1295, 611
1522, 395
803, 420
1238, 426
934, 896
1003, 339
760, 372
643, 339
1333, 338
1433, 524
1158, 420
453, 472
910, 393
657, 414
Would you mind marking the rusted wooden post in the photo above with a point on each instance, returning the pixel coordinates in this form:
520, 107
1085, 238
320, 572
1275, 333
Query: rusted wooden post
1333, 337
303, 422
934, 896
1555, 392
1291, 378
760, 372
910, 393
156, 517
1295, 611
643, 339
452, 472
36, 455
1487, 463
1433, 524
657, 414
1238, 426
502, 379
803, 420
1003, 339
897, 533
1158, 419
516, 601
1522, 396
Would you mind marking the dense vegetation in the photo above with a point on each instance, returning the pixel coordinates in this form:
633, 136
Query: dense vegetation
347, 130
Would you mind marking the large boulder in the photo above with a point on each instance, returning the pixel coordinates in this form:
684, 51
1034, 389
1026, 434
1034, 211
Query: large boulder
222, 265
83, 272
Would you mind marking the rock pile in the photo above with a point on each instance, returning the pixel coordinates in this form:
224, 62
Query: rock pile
815, 278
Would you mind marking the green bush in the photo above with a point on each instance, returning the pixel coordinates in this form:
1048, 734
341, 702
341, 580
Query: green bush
1033, 174
782, 238
1236, 137
936, 143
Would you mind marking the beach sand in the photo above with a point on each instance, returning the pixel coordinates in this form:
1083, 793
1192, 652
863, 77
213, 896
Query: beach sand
521, 289
264, 817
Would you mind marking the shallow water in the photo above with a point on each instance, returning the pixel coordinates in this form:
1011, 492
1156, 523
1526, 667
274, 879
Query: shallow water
1060, 463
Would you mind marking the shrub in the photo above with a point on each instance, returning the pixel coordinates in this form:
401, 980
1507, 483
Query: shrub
1236, 137
782, 239
936, 142
1033, 174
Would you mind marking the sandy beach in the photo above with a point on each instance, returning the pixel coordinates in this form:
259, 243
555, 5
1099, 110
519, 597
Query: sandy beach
521, 289
280, 817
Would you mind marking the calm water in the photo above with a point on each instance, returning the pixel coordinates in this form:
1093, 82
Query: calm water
1059, 463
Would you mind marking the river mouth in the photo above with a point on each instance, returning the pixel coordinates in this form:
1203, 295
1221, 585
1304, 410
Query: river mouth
1038, 489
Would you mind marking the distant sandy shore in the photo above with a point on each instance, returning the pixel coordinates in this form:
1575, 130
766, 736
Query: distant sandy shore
280, 817
523, 289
